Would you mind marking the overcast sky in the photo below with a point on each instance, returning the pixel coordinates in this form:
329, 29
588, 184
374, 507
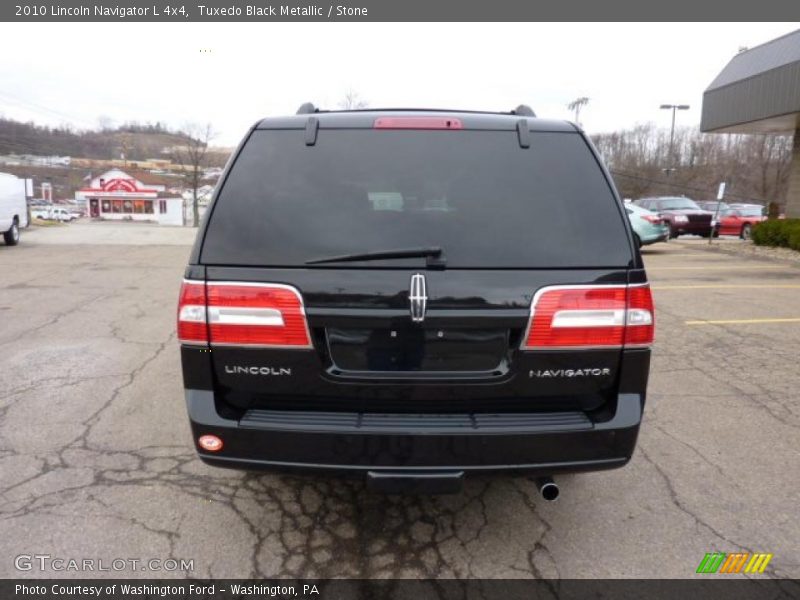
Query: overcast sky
76, 73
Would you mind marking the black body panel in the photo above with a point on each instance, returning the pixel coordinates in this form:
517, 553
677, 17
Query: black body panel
496, 376
525, 443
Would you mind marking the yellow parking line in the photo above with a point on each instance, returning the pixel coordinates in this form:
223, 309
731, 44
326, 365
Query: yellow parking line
742, 321
716, 267
709, 255
676, 255
728, 286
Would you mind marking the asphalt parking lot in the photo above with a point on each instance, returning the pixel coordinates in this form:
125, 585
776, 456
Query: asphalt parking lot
97, 460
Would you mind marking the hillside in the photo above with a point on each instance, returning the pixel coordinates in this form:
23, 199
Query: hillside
137, 142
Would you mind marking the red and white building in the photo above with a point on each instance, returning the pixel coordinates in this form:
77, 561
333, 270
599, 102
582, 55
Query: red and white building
120, 196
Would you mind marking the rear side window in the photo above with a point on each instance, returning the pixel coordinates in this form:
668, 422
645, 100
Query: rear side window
476, 194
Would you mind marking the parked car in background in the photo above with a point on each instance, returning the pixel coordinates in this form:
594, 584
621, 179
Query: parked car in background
740, 221
13, 210
53, 213
648, 227
683, 215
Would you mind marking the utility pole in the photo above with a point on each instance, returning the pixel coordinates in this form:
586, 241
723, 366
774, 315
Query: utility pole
673, 108
576, 106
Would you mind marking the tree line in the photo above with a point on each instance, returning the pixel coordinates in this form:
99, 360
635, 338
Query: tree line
643, 163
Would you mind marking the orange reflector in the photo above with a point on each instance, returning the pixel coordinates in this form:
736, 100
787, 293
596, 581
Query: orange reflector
210, 443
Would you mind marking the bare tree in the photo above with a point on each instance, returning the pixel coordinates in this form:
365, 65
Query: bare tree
192, 156
772, 155
352, 101
755, 167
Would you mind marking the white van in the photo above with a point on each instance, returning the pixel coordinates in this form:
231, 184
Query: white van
13, 210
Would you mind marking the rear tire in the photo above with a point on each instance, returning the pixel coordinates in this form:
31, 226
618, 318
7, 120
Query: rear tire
638, 240
747, 231
11, 236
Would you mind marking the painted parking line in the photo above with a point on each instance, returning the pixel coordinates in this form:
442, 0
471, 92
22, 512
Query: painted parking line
708, 255
646, 255
717, 267
743, 321
729, 286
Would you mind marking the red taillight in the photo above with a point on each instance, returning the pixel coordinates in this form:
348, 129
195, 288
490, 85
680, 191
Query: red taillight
590, 317
192, 313
242, 314
256, 314
640, 325
417, 123
655, 220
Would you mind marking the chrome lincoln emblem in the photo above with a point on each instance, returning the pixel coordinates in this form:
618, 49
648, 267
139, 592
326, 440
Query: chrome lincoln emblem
418, 297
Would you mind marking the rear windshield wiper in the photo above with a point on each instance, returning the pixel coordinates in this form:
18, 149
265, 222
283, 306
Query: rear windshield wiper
432, 253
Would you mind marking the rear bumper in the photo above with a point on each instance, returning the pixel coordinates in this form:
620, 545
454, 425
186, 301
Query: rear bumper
364, 443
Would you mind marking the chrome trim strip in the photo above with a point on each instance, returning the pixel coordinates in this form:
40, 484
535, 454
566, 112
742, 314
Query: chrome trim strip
244, 315
193, 343
588, 318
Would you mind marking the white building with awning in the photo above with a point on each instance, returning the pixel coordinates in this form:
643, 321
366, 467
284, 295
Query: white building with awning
131, 196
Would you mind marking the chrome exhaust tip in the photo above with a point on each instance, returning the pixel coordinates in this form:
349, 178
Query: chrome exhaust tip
547, 488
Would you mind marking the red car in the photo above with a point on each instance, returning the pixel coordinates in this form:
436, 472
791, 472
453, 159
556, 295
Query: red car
740, 221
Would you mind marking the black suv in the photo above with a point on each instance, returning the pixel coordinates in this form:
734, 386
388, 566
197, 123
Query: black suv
411, 295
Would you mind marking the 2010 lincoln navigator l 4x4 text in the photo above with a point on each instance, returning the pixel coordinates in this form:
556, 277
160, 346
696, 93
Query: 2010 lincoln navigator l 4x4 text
414, 296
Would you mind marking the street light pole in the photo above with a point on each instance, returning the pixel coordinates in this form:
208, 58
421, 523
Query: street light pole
576, 106
673, 108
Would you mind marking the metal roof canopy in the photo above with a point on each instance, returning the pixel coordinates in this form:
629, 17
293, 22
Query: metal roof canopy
758, 91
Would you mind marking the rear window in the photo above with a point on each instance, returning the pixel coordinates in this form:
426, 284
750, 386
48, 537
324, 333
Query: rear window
477, 194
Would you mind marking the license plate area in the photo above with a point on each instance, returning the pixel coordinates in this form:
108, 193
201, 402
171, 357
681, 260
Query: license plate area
418, 350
